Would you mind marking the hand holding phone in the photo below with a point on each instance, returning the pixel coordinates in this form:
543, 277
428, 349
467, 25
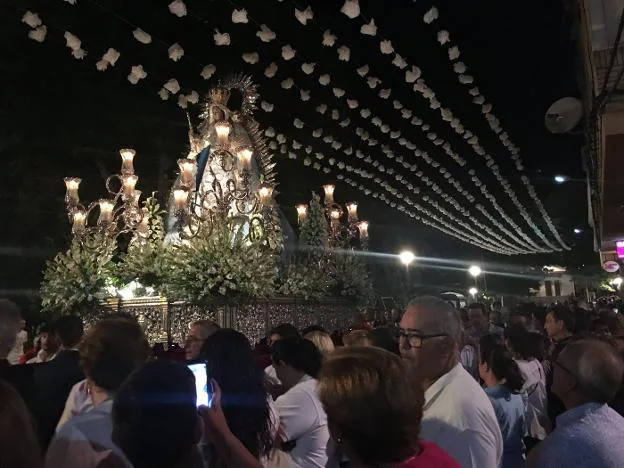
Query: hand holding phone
202, 384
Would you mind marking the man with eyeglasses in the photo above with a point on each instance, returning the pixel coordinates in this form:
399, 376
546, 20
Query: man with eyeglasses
589, 434
457, 414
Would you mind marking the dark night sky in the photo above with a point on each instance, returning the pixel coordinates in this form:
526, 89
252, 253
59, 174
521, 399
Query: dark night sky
60, 116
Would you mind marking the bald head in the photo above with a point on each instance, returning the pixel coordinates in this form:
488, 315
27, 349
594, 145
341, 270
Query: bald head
596, 366
435, 316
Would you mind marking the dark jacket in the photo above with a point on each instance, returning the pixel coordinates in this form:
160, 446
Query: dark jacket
555, 405
53, 381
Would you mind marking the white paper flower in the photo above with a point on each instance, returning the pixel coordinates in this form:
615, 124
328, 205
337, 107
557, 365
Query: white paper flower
304, 94
453, 53
239, 16
339, 92
324, 80
175, 52
386, 47
363, 70
443, 36
265, 34
38, 34
251, 57
486, 108
412, 75
71, 2
136, 73
397, 104
351, 8
345, 123
221, 39
373, 82
271, 70
344, 53
208, 71
317, 133
182, 101
406, 113
304, 16
288, 52
287, 83
164, 94
178, 8
79, 54
32, 19
308, 68
298, 124
321, 108
193, 97
142, 36
369, 29
72, 41
266, 106
102, 65
431, 15
474, 91
281, 138
399, 62
385, 93
352, 103
366, 113
329, 39
466, 79
172, 86
295, 144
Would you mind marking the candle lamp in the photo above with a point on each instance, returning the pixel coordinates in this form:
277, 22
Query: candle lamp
302, 211
265, 193
187, 170
143, 227
335, 214
352, 212
329, 193
106, 211
244, 155
79, 221
71, 195
129, 183
127, 158
180, 197
223, 131
135, 198
363, 228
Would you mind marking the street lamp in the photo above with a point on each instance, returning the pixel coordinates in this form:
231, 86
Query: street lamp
473, 292
560, 179
407, 257
474, 270
617, 281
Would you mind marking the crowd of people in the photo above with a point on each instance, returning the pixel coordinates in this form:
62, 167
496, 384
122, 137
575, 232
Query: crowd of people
437, 387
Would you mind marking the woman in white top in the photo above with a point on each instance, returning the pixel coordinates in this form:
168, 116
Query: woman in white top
522, 344
303, 424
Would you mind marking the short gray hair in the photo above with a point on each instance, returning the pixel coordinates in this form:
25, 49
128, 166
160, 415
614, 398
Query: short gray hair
597, 367
443, 318
9, 318
208, 326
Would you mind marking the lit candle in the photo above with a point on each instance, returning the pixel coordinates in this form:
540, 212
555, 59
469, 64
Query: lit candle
329, 193
352, 212
223, 131
180, 197
302, 211
106, 211
244, 156
265, 192
135, 198
129, 183
143, 227
79, 218
71, 195
363, 228
187, 170
127, 158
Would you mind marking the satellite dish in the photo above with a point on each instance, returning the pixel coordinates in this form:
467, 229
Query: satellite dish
563, 115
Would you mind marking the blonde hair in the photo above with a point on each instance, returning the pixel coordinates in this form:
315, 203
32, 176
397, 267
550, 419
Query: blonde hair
321, 340
357, 338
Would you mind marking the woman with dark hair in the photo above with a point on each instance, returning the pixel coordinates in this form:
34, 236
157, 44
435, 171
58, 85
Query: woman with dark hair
374, 410
231, 363
522, 345
303, 424
504, 384
19, 447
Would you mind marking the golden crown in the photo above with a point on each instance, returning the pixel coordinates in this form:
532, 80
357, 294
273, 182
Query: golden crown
220, 95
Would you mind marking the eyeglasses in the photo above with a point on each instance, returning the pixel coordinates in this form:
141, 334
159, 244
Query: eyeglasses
415, 340
564, 368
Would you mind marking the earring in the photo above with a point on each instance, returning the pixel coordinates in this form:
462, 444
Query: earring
339, 440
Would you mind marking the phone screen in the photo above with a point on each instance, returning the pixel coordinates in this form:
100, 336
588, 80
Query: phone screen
201, 382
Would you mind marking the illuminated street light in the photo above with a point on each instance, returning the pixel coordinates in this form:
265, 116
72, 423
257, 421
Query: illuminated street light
560, 179
407, 257
474, 270
617, 281
577, 231
473, 292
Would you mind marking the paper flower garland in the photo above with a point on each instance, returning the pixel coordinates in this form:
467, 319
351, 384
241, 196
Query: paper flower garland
344, 53
351, 8
431, 15
369, 29
288, 52
251, 57
142, 36
265, 34
271, 70
329, 39
38, 34
136, 74
75, 45
443, 36
32, 19
175, 52
239, 16
386, 47
109, 58
208, 71
178, 8
221, 39
304, 16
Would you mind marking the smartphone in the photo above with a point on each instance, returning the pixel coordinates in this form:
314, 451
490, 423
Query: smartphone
200, 371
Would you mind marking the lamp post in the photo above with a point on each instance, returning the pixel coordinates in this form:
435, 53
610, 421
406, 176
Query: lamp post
475, 271
407, 257
473, 292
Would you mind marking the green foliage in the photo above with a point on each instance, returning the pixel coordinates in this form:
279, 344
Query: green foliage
314, 228
218, 264
75, 278
304, 277
350, 276
147, 259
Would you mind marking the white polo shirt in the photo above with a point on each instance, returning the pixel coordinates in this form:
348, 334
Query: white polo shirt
459, 417
303, 420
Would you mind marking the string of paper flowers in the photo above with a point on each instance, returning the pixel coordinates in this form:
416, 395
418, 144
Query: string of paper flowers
480, 100
421, 87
